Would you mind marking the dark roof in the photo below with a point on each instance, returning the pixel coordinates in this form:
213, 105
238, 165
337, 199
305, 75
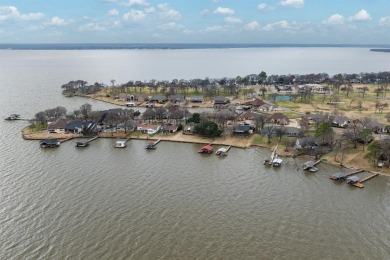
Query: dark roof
256, 102
72, 125
49, 141
339, 175
241, 128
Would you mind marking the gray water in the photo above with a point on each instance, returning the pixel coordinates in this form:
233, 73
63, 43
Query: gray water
170, 203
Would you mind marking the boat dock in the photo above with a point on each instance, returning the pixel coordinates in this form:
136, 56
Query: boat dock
355, 172
67, 139
223, 151
92, 139
85, 144
155, 143
359, 184
310, 165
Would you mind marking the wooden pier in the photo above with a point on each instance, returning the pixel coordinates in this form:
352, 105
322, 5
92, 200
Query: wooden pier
359, 184
155, 143
67, 139
355, 172
92, 139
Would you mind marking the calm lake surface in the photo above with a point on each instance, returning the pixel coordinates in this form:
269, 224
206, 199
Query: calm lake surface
172, 203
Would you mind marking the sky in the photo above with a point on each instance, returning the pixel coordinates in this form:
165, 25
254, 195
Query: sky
195, 21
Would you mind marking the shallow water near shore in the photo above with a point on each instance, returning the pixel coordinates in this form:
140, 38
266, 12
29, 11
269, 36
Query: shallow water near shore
100, 202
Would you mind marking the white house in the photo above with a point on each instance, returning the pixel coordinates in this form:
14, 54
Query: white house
148, 129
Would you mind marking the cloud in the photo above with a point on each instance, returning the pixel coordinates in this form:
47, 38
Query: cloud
280, 25
384, 21
224, 11
134, 15
166, 12
91, 27
204, 12
135, 3
233, 20
56, 21
362, 15
262, 6
170, 26
12, 13
109, 1
113, 12
335, 19
292, 3
216, 28
252, 26
149, 10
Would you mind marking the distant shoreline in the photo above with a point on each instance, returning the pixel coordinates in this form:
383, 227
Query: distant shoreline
174, 46
380, 50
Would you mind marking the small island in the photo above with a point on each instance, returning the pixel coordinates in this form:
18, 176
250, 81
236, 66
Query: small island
341, 119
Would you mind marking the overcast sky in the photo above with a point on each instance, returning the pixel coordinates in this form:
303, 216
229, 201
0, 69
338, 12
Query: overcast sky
195, 21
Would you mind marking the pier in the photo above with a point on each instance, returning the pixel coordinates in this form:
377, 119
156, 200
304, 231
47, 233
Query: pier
155, 143
67, 139
359, 184
355, 172
223, 151
92, 139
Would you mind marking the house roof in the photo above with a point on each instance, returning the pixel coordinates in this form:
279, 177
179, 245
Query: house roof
170, 127
144, 126
76, 124
49, 141
58, 124
278, 117
256, 102
241, 128
339, 175
247, 114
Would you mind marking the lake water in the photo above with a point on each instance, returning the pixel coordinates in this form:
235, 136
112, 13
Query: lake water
172, 203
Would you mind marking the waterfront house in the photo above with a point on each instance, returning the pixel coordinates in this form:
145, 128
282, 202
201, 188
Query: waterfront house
169, 128
279, 118
77, 126
58, 126
305, 143
242, 129
148, 129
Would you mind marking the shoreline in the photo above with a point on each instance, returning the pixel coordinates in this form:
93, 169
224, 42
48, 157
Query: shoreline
236, 142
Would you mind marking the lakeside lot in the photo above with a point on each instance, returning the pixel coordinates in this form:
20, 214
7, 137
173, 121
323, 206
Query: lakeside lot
354, 101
